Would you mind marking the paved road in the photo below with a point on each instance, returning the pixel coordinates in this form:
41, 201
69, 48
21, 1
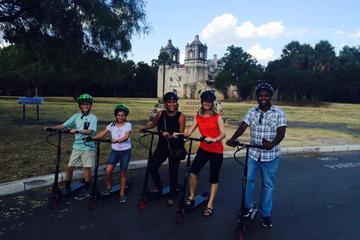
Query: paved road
317, 197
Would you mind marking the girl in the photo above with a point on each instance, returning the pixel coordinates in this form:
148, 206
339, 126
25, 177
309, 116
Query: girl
120, 149
211, 126
168, 121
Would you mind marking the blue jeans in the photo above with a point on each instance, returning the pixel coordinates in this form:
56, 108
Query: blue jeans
268, 173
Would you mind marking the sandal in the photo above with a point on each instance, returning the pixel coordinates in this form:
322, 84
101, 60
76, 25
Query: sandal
208, 212
189, 203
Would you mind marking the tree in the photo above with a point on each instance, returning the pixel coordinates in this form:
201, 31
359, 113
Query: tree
103, 26
239, 69
66, 45
348, 72
222, 82
163, 59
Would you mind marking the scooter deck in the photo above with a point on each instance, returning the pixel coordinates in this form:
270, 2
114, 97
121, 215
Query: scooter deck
116, 188
165, 191
74, 187
201, 198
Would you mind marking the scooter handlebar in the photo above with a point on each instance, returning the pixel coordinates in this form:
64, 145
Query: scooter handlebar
151, 132
240, 144
200, 139
55, 130
90, 139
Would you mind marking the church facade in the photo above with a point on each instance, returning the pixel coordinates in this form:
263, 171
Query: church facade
190, 79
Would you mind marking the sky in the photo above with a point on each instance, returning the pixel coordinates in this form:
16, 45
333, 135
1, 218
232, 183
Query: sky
262, 28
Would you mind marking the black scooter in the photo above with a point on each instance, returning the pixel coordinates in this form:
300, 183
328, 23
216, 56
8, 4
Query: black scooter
243, 221
94, 192
56, 192
146, 194
200, 198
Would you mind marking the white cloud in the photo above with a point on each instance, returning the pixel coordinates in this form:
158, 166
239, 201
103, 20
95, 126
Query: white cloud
339, 33
261, 54
246, 30
225, 30
357, 34
271, 29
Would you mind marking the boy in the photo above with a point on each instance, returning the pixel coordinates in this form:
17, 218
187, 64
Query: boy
81, 124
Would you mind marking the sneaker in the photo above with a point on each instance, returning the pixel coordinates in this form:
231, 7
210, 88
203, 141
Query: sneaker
83, 194
106, 192
266, 222
122, 199
247, 212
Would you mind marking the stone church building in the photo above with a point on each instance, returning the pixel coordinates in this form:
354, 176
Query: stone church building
190, 79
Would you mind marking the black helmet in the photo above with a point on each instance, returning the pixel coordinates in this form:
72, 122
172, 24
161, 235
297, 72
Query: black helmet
264, 87
170, 96
208, 96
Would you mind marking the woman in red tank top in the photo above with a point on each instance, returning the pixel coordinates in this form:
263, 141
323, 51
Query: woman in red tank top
211, 126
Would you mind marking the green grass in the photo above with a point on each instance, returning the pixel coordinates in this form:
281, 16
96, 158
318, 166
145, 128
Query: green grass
25, 153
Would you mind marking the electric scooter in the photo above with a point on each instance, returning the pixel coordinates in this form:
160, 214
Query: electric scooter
200, 198
56, 192
243, 221
94, 192
146, 194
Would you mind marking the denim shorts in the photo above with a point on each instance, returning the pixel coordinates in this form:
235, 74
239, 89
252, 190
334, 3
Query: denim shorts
120, 156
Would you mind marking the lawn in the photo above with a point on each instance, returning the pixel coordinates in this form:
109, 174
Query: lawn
25, 153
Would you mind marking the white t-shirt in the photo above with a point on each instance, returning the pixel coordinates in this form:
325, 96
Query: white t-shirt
119, 132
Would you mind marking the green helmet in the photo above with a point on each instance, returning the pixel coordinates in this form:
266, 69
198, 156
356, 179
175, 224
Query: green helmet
85, 98
121, 107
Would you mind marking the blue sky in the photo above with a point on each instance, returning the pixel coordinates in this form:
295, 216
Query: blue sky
262, 28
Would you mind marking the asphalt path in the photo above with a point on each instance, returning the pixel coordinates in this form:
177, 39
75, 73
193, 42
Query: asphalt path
317, 197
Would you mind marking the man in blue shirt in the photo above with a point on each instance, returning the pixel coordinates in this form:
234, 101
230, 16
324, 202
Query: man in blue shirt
267, 127
81, 124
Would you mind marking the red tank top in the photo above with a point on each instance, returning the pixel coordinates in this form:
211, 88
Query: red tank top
208, 127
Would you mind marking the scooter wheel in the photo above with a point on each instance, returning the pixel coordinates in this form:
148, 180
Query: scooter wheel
92, 204
142, 204
242, 235
53, 202
180, 216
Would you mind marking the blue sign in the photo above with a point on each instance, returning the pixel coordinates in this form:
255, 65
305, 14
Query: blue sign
31, 100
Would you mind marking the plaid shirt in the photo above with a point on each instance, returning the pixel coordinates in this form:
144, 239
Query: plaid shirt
264, 125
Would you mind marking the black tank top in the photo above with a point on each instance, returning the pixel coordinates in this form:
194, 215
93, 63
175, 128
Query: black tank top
172, 125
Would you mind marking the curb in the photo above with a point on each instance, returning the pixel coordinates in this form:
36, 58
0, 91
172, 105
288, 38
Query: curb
46, 180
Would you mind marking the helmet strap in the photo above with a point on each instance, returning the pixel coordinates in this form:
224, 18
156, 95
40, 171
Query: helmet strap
84, 113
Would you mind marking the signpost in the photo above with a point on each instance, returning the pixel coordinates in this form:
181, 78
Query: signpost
31, 101
189, 107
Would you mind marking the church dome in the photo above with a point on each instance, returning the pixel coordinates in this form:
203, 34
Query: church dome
196, 42
170, 47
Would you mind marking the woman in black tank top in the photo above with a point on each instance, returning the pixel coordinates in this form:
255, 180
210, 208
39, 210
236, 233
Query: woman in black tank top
168, 121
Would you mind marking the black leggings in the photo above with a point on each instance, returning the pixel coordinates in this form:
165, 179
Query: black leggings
201, 158
159, 156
